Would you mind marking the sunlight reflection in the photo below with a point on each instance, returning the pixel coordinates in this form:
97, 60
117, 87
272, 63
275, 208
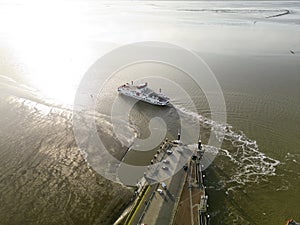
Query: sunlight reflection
48, 37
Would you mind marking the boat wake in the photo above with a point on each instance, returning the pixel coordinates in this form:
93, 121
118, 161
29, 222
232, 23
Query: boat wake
248, 163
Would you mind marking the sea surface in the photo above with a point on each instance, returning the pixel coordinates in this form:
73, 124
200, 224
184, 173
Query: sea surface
252, 48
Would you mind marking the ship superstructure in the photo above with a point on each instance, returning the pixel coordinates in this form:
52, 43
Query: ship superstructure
143, 93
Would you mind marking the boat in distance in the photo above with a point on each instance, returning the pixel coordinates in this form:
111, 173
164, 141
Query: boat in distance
143, 93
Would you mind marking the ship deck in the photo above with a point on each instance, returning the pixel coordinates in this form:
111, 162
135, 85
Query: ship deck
134, 88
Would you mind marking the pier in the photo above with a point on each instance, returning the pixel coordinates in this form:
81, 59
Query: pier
193, 203
181, 199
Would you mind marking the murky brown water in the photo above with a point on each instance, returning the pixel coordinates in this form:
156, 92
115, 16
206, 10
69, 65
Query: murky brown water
44, 179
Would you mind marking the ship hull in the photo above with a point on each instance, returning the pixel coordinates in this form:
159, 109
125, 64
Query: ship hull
143, 99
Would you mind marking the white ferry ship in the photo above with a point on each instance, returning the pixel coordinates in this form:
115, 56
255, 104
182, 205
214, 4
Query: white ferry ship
143, 93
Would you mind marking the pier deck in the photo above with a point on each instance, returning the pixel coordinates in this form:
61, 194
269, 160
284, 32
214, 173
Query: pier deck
182, 202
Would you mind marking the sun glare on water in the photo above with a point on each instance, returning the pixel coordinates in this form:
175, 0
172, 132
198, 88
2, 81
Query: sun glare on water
48, 37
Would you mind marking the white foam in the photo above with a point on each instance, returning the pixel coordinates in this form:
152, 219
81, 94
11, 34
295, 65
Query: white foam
251, 164
290, 157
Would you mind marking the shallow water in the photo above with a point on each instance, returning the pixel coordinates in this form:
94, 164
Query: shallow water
255, 177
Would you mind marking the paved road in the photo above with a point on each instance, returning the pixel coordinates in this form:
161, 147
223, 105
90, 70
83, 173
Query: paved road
172, 196
162, 207
158, 208
141, 207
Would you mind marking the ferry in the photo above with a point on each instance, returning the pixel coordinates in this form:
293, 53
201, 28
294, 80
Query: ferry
143, 93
